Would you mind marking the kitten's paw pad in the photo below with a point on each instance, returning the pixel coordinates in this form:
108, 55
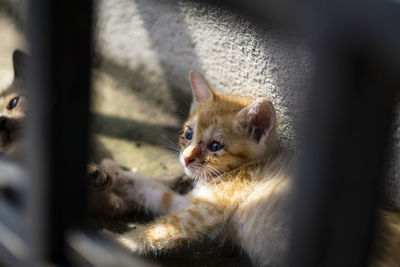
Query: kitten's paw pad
98, 178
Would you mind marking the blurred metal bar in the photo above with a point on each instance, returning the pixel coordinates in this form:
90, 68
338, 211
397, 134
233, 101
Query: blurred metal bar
13, 247
60, 36
347, 131
12, 218
92, 249
13, 182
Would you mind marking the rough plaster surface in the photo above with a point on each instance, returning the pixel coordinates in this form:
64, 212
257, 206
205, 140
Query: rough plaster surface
154, 43
165, 39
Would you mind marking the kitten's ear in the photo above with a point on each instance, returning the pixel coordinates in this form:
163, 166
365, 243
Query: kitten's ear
201, 91
258, 119
20, 61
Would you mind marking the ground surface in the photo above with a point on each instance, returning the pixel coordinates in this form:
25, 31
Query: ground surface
141, 134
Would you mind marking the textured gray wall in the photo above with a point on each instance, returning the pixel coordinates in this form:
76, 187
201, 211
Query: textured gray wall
163, 39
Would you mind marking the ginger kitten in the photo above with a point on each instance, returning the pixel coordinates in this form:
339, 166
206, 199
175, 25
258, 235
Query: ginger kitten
241, 193
242, 190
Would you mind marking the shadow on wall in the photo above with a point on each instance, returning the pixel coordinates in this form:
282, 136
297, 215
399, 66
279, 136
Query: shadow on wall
140, 81
133, 130
162, 48
169, 40
14, 9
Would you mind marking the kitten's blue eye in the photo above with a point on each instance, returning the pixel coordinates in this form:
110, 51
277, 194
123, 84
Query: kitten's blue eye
13, 103
189, 134
215, 146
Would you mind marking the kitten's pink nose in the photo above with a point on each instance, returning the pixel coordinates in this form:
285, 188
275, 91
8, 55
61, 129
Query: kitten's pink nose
188, 160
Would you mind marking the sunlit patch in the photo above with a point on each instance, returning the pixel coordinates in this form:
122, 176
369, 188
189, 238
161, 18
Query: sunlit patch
161, 232
204, 193
158, 232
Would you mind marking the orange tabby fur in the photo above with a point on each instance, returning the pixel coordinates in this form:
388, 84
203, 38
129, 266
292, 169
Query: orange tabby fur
242, 194
241, 191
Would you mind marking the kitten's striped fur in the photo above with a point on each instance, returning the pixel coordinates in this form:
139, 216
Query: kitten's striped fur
242, 190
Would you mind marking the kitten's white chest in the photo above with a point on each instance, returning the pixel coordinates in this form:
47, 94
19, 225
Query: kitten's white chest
261, 222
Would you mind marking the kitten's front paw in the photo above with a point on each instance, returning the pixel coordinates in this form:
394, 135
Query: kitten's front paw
98, 178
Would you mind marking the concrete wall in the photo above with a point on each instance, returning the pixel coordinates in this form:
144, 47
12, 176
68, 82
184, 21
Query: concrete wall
163, 39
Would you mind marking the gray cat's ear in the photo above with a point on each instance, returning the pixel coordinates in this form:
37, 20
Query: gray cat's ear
258, 119
20, 61
201, 91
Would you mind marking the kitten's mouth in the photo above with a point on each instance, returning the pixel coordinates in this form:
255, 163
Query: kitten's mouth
199, 170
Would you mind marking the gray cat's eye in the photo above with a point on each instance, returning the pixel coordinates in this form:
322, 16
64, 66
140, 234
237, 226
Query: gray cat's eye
13, 103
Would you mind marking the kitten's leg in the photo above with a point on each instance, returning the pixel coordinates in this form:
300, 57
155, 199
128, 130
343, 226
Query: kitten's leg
151, 195
201, 220
188, 219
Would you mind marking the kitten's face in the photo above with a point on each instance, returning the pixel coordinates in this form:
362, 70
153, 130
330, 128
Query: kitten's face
224, 132
13, 103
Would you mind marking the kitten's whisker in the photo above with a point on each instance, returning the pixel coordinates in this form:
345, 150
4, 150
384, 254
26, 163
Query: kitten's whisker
195, 176
216, 173
205, 175
170, 145
171, 149
211, 177
168, 142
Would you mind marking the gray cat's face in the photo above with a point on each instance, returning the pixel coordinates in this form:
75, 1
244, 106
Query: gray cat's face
13, 103
12, 115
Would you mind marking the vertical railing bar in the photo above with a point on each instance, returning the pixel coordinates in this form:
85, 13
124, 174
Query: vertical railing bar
346, 134
60, 42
